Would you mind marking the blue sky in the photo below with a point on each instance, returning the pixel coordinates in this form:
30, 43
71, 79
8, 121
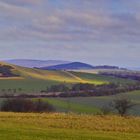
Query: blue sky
93, 31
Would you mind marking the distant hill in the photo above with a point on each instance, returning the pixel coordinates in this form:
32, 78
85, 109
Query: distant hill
69, 66
106, 67
35, 63
134, 68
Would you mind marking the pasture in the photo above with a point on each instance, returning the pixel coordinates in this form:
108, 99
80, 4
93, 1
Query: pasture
92, 105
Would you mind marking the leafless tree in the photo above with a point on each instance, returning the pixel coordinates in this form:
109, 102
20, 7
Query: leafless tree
122, 105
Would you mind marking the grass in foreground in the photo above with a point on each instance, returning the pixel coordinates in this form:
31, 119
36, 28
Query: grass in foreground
22, 126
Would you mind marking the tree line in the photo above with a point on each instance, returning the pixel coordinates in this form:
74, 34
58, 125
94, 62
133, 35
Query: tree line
82, 89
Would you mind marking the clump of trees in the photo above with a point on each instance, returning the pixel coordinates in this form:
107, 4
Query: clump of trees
26, 105
58, 88
6, 71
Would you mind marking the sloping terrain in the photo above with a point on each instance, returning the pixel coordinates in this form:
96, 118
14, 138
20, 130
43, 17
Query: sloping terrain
34, 80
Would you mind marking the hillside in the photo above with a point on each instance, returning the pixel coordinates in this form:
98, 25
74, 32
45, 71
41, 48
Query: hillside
32, 80
35, 80
34, 63
69, 66
57, 126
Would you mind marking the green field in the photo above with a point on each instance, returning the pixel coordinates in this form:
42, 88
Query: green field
67, 105
92, 105
35, 80
29, 126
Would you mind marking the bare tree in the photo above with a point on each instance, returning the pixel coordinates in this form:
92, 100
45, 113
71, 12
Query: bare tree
122, 105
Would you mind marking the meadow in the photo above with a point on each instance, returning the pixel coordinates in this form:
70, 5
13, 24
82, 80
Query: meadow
58, 126
93, 105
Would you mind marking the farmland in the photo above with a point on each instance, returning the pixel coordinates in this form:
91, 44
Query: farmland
57, 126
31, 80
92, 105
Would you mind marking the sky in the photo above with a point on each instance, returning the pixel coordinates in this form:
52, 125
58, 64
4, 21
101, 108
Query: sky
97, 32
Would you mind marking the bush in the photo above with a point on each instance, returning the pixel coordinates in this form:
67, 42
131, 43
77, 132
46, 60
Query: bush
25, 105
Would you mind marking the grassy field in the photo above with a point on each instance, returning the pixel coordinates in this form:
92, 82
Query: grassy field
69, 106
92, 105
20, 126
91, 76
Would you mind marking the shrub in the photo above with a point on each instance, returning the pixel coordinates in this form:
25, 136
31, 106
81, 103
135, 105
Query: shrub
25, 105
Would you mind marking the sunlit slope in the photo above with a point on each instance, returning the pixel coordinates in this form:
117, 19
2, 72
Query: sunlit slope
29, 73
34, 80
53, 75
61, 76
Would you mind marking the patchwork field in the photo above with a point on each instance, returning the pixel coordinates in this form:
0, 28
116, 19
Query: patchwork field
29, 126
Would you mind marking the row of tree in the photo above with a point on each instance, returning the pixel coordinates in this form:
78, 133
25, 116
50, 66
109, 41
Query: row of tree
25, 105
123, 74
81, 89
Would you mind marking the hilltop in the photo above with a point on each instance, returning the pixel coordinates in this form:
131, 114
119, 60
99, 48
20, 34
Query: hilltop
69, 66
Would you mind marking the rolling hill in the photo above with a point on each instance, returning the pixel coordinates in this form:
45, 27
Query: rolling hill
34, 63
69, 66
31, 80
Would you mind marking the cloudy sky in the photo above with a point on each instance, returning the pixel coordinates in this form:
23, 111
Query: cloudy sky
93, 31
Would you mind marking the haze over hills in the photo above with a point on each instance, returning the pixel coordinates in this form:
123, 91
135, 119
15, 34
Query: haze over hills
56, 64
68, 66
30, 63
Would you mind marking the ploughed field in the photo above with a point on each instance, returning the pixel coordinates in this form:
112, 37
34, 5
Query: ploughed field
58, 126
